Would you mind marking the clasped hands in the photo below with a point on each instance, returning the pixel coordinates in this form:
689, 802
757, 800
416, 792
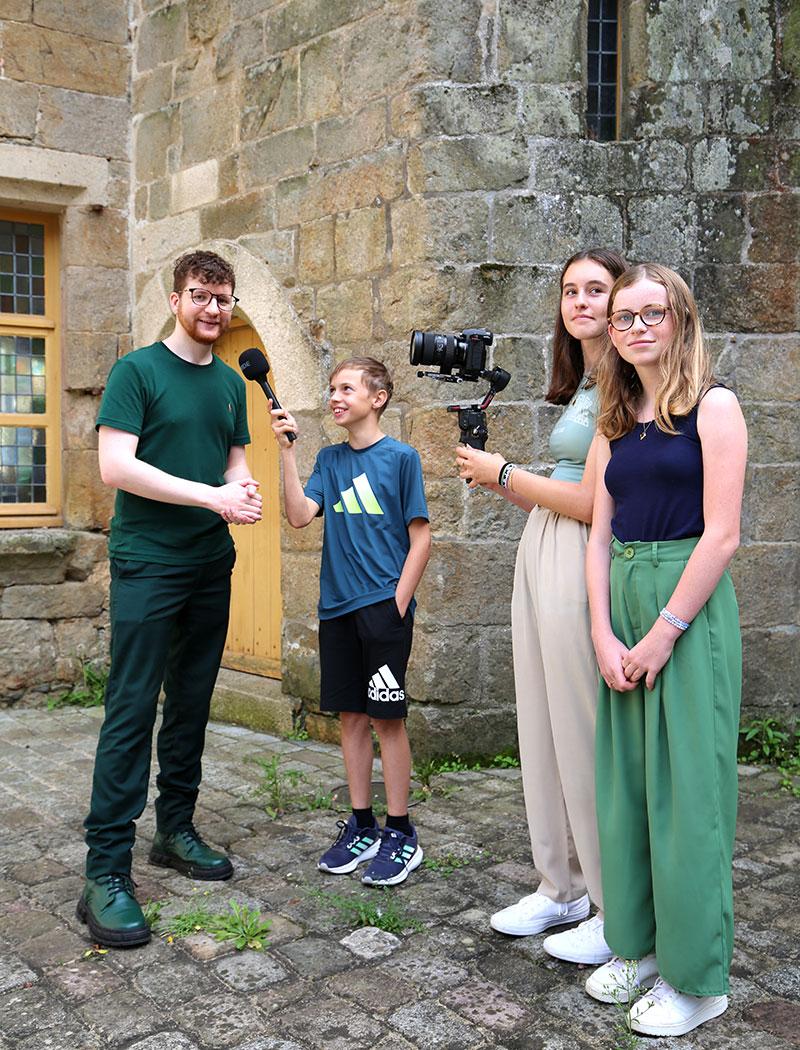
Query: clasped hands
239, 502
622, 669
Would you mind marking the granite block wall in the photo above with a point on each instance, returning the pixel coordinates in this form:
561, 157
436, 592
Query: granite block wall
392, 164
65, 147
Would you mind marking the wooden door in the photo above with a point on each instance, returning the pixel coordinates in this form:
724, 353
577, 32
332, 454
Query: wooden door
254, 635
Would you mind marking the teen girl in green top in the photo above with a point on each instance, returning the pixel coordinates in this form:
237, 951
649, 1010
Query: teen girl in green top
554, 667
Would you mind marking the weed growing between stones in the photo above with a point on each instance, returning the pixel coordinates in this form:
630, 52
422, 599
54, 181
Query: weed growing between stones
424, 771
298, 733
624, 1036
445, 865
152, 913
287, 790
240, 924
89, 692
768, 742
380, 909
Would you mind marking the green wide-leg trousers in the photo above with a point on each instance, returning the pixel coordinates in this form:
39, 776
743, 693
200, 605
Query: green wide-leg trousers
667, 780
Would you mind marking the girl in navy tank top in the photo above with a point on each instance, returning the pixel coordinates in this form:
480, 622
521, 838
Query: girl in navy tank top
671, 458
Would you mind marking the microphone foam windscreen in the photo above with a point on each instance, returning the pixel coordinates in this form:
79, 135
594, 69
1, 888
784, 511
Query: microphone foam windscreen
253, 363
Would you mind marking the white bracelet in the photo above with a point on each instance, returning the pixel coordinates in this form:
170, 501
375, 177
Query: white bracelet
506, 471
676, 621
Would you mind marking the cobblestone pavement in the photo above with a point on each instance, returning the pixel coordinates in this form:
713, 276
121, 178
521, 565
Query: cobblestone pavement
447, 982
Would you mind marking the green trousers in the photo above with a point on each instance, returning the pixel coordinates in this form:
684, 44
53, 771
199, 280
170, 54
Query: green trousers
666, 778
168, 626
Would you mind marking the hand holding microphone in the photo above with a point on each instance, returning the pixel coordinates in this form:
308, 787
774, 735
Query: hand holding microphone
255, 366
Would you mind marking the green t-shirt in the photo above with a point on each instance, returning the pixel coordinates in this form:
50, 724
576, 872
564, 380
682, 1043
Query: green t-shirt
187, 418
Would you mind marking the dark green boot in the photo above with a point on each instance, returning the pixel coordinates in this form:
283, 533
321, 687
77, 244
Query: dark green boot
187, 853
110, 909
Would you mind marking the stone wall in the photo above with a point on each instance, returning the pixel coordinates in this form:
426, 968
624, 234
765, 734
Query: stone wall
414, 163
65, 147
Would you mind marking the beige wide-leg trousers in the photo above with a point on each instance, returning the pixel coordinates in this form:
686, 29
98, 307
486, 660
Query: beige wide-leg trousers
556, 681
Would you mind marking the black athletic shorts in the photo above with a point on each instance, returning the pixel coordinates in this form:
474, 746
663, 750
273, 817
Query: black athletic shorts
363, 658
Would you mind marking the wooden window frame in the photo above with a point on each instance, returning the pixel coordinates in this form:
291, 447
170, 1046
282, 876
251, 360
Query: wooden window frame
47, 327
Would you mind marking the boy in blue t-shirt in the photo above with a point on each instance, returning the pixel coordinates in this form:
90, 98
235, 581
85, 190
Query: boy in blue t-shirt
375, 547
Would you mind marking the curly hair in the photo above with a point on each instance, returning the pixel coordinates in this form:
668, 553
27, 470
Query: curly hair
208, 266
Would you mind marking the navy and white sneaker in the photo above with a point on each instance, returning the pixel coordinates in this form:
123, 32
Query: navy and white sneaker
398, 855
352, 846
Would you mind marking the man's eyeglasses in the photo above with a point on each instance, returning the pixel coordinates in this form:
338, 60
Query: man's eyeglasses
622, 320
202, 297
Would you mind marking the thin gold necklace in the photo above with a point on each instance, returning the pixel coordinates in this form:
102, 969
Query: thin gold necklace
643, 434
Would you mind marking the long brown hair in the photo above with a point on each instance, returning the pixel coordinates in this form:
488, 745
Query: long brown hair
567, 368
685, 368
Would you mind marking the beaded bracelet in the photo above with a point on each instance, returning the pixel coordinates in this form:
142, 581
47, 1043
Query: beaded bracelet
676, 621
505, 474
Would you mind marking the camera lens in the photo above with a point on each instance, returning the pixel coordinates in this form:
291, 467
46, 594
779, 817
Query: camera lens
437, 350
415, 350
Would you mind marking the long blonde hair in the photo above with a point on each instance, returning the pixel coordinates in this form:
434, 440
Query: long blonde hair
685, 366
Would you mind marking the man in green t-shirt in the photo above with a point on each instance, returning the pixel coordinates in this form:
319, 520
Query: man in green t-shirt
172, 429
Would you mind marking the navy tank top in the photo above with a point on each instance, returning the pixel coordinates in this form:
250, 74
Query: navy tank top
656, 482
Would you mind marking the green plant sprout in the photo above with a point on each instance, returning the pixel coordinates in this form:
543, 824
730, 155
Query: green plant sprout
89, 692
287, 790
240, 924
767, 741
445, 865
624, 1036
380, 909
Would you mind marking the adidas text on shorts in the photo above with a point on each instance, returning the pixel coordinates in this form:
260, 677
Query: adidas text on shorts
363, 660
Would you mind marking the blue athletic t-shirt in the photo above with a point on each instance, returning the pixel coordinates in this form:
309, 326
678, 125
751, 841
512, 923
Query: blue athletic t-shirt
368, 496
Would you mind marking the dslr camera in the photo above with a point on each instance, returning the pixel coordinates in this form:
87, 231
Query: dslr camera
466, 352
465, 355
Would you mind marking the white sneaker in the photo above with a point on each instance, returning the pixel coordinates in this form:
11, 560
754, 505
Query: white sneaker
620, 979
665, 1011
536, 913
584, 944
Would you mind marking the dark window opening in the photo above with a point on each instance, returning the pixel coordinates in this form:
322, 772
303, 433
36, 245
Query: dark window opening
602, 63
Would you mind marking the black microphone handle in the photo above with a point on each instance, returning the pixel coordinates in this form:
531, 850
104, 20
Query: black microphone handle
264, 384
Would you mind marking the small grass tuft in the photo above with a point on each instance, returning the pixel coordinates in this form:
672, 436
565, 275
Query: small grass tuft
89, 692
379, 908
288, 790
768, 742
445, 865
152, 913
240, 924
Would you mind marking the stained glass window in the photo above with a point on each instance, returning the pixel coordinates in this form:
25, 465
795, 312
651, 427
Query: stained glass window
21, 268
22, 374
23, 465
30, 424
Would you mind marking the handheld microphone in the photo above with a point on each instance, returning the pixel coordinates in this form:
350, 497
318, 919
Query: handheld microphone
255, 366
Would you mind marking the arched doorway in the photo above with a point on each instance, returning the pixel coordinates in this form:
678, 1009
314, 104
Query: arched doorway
254, 635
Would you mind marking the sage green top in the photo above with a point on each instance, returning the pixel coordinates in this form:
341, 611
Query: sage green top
187, 418
572, 435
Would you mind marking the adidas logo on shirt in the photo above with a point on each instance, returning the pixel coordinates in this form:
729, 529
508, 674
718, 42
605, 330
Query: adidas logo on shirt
369, 500
384, 687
